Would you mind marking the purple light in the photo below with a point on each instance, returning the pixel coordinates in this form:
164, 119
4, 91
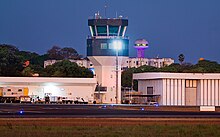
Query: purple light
141, 45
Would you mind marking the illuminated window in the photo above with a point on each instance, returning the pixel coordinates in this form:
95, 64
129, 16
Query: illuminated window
104, 46
191, 83
110, 46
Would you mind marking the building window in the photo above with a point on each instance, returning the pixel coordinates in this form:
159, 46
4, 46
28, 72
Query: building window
113, 30
104, 46
19, 90
110, 46
102, 30
191, 83
149, 90
9, 89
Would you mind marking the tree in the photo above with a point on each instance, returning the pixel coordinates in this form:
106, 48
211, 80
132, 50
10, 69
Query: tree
27, 72
181, 58
69, 53
54, 53
66, 68
62, 53
127, 76
10, 61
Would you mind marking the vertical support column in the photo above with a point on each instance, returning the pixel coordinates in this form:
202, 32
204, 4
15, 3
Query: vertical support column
179, 102
216, 92
171, 92
213, 93
164, 94
219, 92
116, 76
205, 92
168, 91
183, 92
209, 92
202, 92
175, 92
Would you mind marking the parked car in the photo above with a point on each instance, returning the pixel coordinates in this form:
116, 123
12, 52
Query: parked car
80, 101
153, 103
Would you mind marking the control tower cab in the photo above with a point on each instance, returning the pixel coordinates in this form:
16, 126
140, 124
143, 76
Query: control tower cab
108, 48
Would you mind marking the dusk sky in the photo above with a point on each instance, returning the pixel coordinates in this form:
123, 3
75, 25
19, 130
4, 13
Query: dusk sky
191, 27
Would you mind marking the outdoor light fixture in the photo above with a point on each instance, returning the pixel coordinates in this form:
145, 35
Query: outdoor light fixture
117, 46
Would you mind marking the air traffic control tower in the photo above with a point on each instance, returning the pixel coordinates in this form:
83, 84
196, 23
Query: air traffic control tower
107, 49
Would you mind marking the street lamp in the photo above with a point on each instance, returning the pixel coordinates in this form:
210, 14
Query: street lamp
117, 46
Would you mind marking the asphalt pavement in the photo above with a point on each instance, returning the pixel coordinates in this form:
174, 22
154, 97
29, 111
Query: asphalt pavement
93, 111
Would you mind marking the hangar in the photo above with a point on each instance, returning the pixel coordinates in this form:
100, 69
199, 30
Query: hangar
181, 89
48, 86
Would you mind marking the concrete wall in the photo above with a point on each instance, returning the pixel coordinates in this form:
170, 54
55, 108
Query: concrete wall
209, 92
157, 88
173, 92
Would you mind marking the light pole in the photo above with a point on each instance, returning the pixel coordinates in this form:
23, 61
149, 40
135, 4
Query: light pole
117, 46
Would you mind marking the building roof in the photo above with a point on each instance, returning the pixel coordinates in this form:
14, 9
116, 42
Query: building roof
46, 80
167, 75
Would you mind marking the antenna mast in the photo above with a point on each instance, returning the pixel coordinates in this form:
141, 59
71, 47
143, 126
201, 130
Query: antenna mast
105, 9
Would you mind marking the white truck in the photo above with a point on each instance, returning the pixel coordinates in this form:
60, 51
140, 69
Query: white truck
14, 95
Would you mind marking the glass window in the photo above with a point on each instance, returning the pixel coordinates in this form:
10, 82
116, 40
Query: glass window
113, 30
9, 89
194, 83
102, 30
187, 83
19, 90
110, 46
191, 83
104, 46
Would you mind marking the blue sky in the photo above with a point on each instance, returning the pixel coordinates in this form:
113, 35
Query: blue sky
191, 27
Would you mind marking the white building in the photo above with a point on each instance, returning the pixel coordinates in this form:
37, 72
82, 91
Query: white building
129, 63
155, 62
181, 89
62, 87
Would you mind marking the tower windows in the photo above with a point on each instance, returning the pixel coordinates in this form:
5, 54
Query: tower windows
113, 30
102, 30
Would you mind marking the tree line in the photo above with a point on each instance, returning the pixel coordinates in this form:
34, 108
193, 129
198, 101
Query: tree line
14, 62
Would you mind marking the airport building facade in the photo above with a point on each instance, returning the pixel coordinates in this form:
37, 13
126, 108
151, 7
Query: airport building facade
70, 88
180, 89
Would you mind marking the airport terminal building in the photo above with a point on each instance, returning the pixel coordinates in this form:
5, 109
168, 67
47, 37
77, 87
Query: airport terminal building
180, 89
49, 86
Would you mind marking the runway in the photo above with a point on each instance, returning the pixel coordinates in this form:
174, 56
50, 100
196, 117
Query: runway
94, 111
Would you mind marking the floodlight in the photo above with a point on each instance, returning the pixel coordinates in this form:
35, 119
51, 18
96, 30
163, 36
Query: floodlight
117, 44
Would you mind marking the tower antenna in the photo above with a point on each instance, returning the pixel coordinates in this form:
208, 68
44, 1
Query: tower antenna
105, 9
